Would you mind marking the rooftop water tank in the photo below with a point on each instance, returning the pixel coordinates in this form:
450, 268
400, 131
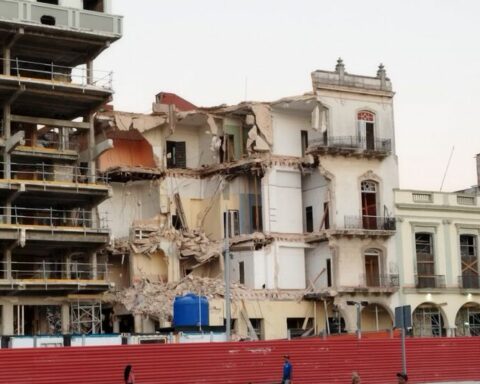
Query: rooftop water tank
190, 310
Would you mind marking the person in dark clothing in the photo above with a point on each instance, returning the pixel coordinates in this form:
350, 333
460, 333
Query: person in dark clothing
402, 378
287, 370
128, 375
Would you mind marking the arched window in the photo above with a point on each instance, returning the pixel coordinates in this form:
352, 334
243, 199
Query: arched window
366, 128
373, 277
369, 204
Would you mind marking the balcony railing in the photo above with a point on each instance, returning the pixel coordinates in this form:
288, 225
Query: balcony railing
52, 270
381, 280
49, 172
375, 223
353, 143
78, 20
60, 74
430, 281
48, 217
469, 281
51, 144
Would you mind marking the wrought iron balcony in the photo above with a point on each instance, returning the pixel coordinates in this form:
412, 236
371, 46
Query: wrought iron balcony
372, 223
351, 144
381, 280
469, 281
429, 281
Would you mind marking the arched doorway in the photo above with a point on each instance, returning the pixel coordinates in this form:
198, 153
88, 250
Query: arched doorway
468, 320
375, 317
366, 125
428, 321
369, 190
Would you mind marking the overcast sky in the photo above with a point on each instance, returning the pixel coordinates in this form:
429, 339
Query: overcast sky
207, 50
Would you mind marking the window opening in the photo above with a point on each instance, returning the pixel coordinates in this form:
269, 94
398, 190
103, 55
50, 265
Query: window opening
369, 204
304, 141
233, 223
176, 154
469, 261
366, 122
309, 219
425, 261
329, 272
241, 271
372, 268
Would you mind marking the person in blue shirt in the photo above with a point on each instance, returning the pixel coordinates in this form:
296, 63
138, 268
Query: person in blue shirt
287, 370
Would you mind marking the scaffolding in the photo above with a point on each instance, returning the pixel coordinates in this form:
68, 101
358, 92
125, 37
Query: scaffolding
86, 318
468, 321
427, 322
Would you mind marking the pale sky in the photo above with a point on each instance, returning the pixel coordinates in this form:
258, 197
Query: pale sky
207, 50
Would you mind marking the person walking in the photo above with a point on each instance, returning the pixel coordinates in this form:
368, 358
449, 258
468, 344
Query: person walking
356, 378
128, 375
287, 370
402, 378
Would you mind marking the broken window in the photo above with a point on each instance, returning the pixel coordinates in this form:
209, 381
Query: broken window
233, 223
257, 325
93, 5
227, 150
304, 141
425, 261
241, 271
309, 219
469, 257
299, 325
176, 154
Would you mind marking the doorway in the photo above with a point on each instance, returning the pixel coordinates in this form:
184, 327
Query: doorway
372, 269
369, 204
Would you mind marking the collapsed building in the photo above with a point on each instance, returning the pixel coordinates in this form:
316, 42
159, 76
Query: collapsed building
302, 188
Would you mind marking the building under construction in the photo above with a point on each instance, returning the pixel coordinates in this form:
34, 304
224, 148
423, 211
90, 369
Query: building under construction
50, 230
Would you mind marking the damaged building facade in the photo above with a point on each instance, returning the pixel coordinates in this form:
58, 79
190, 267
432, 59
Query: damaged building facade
301, 187
52, 275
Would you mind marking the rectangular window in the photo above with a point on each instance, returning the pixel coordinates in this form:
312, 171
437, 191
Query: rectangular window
329, 272
469, 261
233, 223
93, 5
227, 149
176, 154
257, 224
304, 141
241, 271
425, 261
309, 219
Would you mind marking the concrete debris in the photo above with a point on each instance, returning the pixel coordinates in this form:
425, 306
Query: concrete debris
156, 299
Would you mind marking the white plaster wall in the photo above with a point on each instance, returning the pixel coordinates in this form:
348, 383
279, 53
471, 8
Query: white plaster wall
282, 201
131, 201
254, 261
315, 263
291, 266
343, 108
314, 194
71, 3
346, 185
286, 131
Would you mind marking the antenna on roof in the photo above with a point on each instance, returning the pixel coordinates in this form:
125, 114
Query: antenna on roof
446, 169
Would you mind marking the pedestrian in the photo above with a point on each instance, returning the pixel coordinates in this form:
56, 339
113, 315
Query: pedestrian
402, 378
128, 375
287, 370
355, 378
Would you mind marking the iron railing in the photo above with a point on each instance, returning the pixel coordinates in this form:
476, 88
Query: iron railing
430, 281
375, 223
353, 143
49, 217
60, 74
469, 281
54, 172
53, 270
45, 143
381, 280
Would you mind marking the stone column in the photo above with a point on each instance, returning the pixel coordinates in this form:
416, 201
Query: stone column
65, 318
7, 319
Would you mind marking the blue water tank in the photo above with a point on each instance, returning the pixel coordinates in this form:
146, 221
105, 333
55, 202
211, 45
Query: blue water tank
190, 310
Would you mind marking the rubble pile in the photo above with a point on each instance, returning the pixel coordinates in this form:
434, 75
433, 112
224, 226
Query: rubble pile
156, 299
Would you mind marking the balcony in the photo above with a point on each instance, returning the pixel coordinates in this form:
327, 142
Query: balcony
429, 281
351, 146
385, 281
469, 281
66, 277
